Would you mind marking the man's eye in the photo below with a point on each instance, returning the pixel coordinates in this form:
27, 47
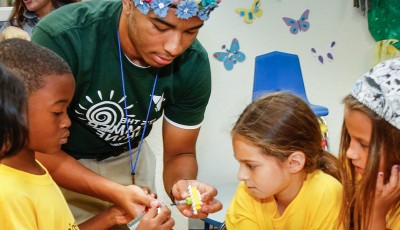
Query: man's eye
191, 32
161, 29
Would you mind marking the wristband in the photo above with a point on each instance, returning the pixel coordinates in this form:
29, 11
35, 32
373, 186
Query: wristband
171, 196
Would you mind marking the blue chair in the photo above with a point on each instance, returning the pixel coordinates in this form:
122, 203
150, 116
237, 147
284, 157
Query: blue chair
278, 71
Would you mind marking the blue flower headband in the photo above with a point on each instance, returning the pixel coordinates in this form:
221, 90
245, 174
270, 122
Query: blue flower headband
184, 10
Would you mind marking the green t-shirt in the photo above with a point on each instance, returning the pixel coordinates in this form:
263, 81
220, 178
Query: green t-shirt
85, 36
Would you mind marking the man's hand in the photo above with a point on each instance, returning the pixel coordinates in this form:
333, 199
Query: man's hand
207, 192
134, 200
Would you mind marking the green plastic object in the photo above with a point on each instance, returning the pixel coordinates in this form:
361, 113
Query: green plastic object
384, 20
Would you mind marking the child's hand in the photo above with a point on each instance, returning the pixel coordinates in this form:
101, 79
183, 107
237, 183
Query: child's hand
385, 196
119, 215
147, 191
106, 219
155, 219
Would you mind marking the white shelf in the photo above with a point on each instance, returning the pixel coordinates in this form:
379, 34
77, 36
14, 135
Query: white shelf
4, 13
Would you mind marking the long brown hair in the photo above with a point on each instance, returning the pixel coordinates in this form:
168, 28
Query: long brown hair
19, 8
281, 123
359, 194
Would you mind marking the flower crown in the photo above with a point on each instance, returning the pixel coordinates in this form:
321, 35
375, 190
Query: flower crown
184, 10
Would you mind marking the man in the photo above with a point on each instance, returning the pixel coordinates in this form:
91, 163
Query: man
132, 62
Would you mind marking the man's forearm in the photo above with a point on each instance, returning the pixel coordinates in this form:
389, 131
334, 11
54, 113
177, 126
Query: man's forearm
182, 166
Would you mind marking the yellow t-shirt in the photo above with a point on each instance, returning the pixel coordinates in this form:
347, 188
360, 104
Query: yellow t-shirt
393, 221
29, 201
316, 206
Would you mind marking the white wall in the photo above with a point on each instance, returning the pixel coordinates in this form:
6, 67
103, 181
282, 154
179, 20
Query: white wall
326, 84
4, 13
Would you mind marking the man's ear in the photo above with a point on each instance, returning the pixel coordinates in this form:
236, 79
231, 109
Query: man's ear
296, 161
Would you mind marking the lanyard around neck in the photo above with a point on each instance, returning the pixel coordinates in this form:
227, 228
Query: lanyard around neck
133, 165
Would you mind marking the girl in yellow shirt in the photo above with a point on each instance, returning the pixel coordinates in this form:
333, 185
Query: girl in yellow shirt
288, 180
370, 150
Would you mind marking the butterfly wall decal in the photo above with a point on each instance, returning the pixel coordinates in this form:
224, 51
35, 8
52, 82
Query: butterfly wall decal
298, 25
329, 54
230, 56
250, 14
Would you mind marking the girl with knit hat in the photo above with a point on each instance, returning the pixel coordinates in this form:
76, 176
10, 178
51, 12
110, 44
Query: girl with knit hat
370, 150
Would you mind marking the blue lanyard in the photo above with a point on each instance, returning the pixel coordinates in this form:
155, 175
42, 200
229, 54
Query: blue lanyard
133, 165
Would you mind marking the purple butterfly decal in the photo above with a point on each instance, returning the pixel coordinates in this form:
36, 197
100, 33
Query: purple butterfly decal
231, 56
298, 25
329, 54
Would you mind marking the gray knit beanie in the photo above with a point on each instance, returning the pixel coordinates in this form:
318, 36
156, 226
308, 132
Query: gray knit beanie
379, 90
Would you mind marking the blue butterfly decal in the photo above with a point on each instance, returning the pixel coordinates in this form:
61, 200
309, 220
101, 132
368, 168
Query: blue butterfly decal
231, 56
298, 25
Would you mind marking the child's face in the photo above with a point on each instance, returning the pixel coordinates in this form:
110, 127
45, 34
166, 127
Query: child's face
359, 127
264, 175
48, 119
39, 5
